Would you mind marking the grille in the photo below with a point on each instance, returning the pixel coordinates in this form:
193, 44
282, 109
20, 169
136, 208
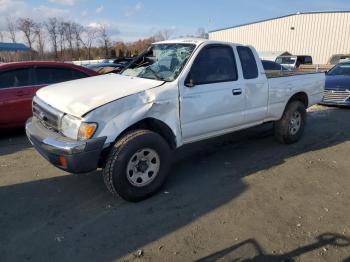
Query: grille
47, 115
336, 95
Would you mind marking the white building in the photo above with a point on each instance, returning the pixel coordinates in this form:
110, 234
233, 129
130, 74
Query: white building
319, 34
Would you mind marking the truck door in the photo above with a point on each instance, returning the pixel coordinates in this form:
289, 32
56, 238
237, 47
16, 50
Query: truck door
212, 98
255, 85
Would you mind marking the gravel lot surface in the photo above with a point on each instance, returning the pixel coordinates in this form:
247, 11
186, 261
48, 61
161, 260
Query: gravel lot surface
241, 197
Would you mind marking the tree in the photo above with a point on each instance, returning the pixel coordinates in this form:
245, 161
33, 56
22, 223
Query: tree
164, 34
11, 27
27, 26
52, 29
77, 32
90, 37
61, 36
69, 36
104, 38
40, 37
1, 37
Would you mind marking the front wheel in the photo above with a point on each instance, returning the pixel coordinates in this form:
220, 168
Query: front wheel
290, 127
137, 165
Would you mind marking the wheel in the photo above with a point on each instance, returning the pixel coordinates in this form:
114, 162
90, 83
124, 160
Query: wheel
290, 127
137, 165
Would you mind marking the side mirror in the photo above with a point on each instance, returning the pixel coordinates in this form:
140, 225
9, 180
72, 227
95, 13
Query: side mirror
189, 81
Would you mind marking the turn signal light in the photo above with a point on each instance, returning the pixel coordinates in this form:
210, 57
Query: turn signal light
63, 161
87, 130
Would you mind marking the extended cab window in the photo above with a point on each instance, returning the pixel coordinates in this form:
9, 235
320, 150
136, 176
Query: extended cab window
15, 78
214, 64
249, 66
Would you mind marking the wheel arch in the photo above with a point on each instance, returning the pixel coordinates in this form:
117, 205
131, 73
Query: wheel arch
156, 126
300, 96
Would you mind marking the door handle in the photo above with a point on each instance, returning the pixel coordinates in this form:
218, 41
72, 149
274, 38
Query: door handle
237, 92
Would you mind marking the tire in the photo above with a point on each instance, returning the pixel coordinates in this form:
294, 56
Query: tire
290, 127
137, 165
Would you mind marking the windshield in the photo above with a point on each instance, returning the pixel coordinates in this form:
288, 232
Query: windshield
161, 62
286, 60
340, 69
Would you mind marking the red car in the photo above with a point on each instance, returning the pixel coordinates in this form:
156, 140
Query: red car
20, 81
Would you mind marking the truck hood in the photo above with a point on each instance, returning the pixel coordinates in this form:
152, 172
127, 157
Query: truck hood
338, 82
78, 97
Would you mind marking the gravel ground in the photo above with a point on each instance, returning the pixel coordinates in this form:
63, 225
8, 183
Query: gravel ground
241, 197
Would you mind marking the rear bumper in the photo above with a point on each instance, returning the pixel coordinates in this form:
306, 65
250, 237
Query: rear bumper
67, 154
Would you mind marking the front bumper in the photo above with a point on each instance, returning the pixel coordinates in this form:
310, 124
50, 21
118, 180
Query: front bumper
67, 154
335, 103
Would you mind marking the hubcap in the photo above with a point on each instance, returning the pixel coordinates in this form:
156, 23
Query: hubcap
143, 167
295, 123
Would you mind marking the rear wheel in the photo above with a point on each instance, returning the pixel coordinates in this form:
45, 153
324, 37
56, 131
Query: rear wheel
290, 127
138, 165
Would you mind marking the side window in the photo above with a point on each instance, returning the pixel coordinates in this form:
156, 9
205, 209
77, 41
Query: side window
15, 78
47, 75
308, 60
214, 64
249, 66
43, 76
76, 74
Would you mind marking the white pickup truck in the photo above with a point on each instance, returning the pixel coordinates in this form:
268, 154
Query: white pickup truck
177, 92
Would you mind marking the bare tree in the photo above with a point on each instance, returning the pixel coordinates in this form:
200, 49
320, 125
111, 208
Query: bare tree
104, 38
164, 34
89, 39
52, 29
69, 35
61, 36
1, 37
40, 37
27, 26
12, 27
77, 32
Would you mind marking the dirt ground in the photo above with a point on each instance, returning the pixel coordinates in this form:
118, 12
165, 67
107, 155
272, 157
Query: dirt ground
241, 197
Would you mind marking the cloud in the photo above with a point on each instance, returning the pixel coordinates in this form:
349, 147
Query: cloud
99, 9
64, 2
134, 10
46, 12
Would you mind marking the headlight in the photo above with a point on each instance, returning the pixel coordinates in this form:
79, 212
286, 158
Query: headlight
74, 128
70, 126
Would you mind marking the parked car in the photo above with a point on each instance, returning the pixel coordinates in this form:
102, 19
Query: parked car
339, 58
293, 62
273, 66
337, 90
175, 93
105, 68
123, 61
20, 81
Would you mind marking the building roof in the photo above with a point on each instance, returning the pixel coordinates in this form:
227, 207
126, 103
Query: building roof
13, 47
279, 17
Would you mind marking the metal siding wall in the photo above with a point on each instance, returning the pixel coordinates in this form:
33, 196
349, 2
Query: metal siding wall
320, 35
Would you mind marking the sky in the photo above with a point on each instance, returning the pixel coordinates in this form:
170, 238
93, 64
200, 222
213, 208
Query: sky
129, 20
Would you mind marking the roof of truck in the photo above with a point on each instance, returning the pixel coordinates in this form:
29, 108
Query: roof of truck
196, 41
